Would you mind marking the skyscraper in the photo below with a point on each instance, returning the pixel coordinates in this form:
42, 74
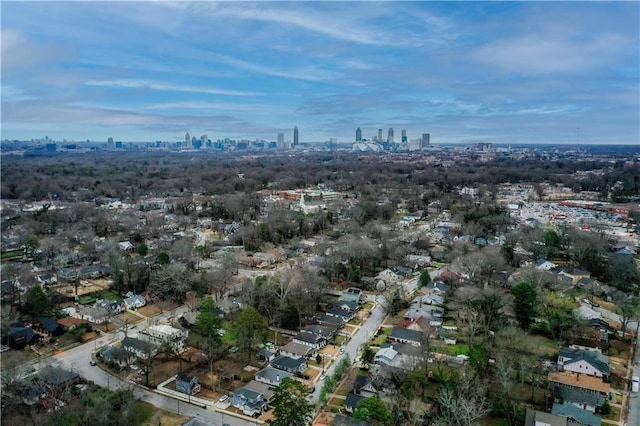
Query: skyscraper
295, 136
358, 135
280, 140
379, 135
390, 135
404, 136
424, 143
110, 143
187, 139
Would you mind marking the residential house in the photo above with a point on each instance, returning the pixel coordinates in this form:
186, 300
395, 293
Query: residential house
266, 355
165, 335
95, 315
134, 301
388, 276
297, 350
57, 378
70, 323
421, 324
263, 388
437, 287
575, 415
309, 339
429, 299
589, 344
94, 271
575, 274
47, 279
251, 403
326, 332
229, 306
349, 306
343, 315
354, 294
543, 264
401, 271
590, 363
352, 401
48, 327
292, 365
113, 306
364, 386
20, 336
600, 324
584, 391
141, 348
271, 376
126, 246
403, 335
540, 418
187, 383
385, 356
331, 321
119, 356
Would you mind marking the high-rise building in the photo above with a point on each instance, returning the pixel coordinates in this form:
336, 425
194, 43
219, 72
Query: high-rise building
187, 139
390, 135
110, 144
358, 135
280, 140
404, 136
296, 141
424, 142
203, 139
379, 135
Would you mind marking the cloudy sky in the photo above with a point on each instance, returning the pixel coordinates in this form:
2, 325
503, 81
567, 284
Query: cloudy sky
523, 72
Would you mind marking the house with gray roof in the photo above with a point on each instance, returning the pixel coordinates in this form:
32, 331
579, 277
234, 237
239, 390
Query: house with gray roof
271, 376
119, 356
591, 363
251, 403
580, 398
403, 335
134, 301
141, 348
536, 418
292, 365
309, 339
297, 350
352, 401
576, 415
326, 332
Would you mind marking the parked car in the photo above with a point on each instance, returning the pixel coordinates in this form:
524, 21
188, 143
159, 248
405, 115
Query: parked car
341, 350
223, 398
92, 363
635, 384
133, 367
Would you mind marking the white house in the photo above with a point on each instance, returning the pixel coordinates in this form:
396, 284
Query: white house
166, 335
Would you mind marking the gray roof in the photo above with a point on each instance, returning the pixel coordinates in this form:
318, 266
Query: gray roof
532, 417
406, 334
353, 400
308, 337
584, 417
138, 344
579, 396
286, 363
320, 330
272, 375
596, 359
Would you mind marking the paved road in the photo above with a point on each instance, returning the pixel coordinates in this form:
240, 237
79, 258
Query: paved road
633, 418
79, 357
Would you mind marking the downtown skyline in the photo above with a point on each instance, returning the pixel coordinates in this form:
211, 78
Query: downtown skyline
522, 72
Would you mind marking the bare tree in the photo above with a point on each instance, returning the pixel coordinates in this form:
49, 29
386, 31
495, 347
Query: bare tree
462, 406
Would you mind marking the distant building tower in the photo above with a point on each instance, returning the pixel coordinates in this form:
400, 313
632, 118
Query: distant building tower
379, 135
110, 144
424, 143
358, 135
280, 140
187, 139
404, 136
390, 135
296, 141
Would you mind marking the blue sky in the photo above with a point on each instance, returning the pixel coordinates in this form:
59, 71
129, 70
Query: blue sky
522, 72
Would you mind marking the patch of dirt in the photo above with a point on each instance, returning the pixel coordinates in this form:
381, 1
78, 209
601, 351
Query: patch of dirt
149, 310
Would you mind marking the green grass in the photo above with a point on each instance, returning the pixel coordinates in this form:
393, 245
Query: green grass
367, 306
109, 295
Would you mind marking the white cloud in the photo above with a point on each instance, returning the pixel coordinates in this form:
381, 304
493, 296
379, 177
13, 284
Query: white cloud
152, 85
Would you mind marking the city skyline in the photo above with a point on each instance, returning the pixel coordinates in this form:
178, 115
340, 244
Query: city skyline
522, 72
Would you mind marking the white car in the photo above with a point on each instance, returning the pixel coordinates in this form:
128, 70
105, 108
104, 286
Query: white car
635, 384
341, 350
133, 367
223, 398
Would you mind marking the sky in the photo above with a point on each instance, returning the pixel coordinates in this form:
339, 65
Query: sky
501, 72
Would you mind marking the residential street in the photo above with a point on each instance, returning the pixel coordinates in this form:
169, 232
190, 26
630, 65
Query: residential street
634, 398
